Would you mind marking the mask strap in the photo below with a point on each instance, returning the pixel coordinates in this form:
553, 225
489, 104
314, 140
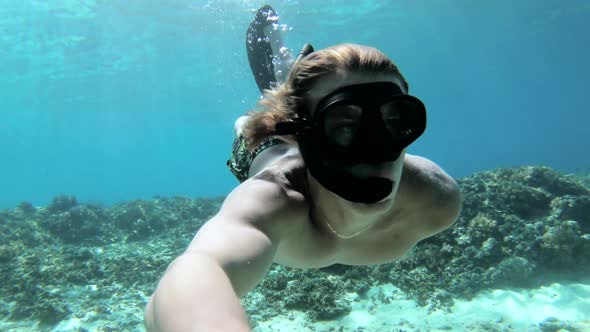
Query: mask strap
293, 127
305, 51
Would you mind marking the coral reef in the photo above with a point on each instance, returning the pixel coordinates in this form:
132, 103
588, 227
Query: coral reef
520, 227
75, 260
517, 226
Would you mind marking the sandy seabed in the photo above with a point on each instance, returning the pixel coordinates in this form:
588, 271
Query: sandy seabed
497, 310
565, 306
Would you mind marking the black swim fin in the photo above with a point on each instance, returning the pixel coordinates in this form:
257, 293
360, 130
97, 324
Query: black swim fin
259, 48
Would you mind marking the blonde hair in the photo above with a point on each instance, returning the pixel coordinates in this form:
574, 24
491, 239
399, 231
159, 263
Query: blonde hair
286, 101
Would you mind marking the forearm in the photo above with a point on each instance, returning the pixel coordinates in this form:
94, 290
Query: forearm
195, 299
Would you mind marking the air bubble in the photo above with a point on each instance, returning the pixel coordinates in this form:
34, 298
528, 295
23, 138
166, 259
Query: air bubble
284, 50
273, 18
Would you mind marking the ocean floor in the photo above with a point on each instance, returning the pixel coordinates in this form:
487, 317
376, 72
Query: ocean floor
552, 308
84, 267
556, 307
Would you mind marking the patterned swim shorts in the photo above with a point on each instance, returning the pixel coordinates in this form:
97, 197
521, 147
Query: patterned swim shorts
241, 158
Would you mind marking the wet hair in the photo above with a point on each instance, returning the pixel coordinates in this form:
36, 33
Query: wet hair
287, 100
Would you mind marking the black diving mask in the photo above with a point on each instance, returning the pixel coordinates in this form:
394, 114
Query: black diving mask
360, 124
365, 123
368, 123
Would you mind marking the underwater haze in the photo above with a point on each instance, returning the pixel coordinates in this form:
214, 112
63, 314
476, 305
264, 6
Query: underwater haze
117, 118
117, 100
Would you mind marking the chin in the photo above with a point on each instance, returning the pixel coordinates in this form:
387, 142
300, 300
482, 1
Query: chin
384, 170
392, 195
388, 198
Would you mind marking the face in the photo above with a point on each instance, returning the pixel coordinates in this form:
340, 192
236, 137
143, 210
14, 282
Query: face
389, 170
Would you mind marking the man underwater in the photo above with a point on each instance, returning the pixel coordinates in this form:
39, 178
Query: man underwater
325, 179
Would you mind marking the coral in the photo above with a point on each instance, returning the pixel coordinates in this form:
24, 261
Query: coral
79, 224
50, 313
46, 252
574, 208
315, 292
441, 299
497, 242
563, 246
62, 203
481, 227
320, 297
553, 182
7, 253
419, 282
516, 224
26, 207
553, 324
512, 271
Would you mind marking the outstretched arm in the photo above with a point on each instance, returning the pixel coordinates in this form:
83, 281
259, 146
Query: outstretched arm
230, 254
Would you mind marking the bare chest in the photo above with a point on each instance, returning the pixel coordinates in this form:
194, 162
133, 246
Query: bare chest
312, 246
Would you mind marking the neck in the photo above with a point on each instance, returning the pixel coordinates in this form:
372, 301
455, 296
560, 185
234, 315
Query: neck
343, 218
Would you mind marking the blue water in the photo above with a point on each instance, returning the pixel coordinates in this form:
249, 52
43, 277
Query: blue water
118, 100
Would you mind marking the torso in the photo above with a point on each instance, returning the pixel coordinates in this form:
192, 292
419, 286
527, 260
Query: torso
310, 243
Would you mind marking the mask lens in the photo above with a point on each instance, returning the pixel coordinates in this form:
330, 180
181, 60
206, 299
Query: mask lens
397, 115
341, 123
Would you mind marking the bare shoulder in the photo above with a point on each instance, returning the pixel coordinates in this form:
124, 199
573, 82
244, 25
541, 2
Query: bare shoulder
430, 190
267, 201
424, 174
